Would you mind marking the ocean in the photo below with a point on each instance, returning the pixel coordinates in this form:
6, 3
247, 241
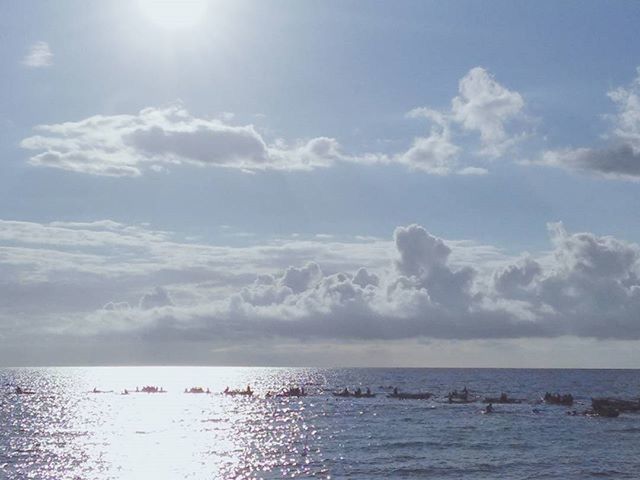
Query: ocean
65, 431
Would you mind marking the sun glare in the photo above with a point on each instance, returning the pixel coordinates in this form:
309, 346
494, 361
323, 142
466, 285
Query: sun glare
174, 14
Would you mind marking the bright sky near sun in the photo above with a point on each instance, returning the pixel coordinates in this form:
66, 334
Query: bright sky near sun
400, 183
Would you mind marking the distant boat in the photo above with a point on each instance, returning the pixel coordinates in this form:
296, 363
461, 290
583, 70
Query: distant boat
504, 399
410, 396
461, 397
616, 404
290, 392
151, 389
197, 390
356, 394
557, 399
95, 390
247, 392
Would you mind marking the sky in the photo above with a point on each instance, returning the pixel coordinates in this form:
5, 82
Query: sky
330, 183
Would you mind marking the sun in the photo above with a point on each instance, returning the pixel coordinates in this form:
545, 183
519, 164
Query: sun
174, 14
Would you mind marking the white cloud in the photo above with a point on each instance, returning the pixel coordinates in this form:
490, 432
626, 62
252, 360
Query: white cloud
627, 120
38, 56
482, 106
617, 162
132, 279
435, 154
485, 106
620, 159
111, 282
155, 138
157, 298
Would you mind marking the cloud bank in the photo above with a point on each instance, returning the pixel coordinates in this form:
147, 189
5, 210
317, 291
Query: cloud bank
133, 282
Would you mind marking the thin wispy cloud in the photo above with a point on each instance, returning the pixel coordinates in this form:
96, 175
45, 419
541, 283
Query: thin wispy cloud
39, 55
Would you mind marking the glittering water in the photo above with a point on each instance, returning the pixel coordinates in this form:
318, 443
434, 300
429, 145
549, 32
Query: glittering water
65, 432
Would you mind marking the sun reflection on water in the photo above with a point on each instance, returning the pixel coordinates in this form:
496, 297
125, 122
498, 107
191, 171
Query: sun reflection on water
66, 430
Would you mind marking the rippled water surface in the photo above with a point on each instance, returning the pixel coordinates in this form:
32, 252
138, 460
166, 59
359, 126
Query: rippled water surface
64, 431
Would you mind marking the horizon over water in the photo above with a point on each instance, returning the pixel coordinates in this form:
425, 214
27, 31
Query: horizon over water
64, 431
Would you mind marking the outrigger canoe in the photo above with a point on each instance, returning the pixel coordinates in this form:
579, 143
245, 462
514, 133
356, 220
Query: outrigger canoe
246, 393
410, 396
354, 395
502, 400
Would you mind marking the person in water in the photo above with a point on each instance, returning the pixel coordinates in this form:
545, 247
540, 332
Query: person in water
395, 390
368, 391
345, 392
248, 389
489, 408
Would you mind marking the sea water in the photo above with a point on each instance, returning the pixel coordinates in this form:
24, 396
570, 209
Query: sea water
63, 431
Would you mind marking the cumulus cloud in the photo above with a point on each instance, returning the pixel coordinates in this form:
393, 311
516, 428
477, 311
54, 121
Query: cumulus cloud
154, 139
159, 297
484, 107
587, 286
38, 56
626, 123
435, 154
515, 277
113, 282
620, 159
126, 145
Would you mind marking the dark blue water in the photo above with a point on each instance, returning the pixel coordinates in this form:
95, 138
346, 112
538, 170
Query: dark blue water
65, 432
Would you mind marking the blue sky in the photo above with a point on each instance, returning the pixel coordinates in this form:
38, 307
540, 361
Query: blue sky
317, 127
